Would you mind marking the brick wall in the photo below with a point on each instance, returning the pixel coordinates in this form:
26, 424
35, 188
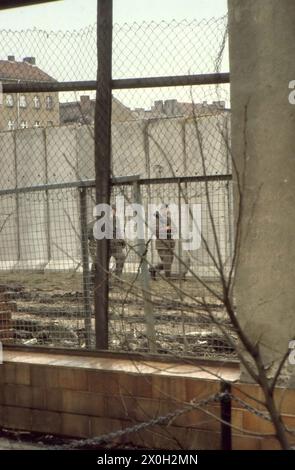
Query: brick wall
83, 396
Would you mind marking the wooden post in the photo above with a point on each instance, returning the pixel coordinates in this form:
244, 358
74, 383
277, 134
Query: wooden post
102, 135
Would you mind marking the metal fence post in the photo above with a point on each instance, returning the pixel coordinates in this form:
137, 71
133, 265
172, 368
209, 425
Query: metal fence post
85, 264
180, 265
145, 279
225, 404
17, 212
102, 136
146, 144
47, 209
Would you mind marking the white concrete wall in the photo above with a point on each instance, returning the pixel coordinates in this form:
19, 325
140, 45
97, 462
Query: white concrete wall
32, 217
8, 212
63, 207
44, 232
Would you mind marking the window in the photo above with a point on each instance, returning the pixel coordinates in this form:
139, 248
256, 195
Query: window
37, 103
24, 124
37, 124
49, 102
9, 101
22, 101
11, 125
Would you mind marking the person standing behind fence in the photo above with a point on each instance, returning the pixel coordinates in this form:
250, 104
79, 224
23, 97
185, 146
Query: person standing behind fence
117, 245
164, 242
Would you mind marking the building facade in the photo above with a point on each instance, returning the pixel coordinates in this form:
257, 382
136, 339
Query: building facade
26, 110
174, 108
83, 111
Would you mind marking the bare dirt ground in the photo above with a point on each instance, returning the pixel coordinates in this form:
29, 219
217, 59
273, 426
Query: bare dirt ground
8, 444
24, 440
51, 312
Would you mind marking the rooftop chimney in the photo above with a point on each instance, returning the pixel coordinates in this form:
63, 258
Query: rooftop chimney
11, 58
219, 104
84, 99
158, 106
170, 107
30, 60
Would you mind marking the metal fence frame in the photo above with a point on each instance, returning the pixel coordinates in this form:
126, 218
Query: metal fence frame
136, 183
104, 84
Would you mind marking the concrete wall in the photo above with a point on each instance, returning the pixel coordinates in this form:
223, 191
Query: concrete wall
32, 217
262, 48
43, 231
8, 213
63, 210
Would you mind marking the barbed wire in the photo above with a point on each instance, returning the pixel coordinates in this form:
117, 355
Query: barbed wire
251, 409
159, 420
139, 49
47, 139
142, 426
162, 419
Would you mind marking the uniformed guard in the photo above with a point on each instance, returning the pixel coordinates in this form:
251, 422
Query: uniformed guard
164, 242
117, 244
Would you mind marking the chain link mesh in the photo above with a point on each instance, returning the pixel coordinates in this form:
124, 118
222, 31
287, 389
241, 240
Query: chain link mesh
173, 141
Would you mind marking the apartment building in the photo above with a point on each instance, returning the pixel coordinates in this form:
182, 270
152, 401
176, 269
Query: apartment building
26, 110
82, 112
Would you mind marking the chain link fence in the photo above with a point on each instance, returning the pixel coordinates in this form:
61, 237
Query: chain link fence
170, 145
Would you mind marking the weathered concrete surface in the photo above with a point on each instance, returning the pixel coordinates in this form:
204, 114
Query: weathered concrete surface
8, 222
63, 217
262, 51
43, 230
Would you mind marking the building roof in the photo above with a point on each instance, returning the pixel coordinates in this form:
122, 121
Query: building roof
83, 111
173, 108
24, 71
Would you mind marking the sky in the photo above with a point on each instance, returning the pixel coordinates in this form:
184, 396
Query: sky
76, 14
65, 57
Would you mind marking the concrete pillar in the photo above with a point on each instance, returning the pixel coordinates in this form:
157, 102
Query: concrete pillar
262, 52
